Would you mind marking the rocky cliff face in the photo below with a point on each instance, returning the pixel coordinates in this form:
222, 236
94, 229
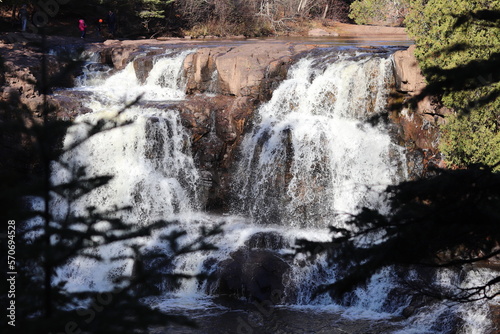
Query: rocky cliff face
21, 101
248, 70
240, 77
418, 116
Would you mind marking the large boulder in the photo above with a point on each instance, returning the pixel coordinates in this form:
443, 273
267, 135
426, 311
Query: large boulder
116, 53
199, 68
409, 78
256, 274
240, 71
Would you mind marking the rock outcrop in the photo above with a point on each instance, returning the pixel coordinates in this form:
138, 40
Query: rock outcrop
409, 78
242, 77
246, 70
216, 125
420, 115
255, 274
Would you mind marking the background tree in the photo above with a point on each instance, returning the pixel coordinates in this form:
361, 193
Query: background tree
379, 12
256, 18
153, 10
151, 17
338, 10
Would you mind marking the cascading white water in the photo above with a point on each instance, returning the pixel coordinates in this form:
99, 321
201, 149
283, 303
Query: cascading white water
311, 156
164, 82
147, 153
153, 171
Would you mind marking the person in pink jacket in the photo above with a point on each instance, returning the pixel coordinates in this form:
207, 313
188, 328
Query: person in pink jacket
83, 27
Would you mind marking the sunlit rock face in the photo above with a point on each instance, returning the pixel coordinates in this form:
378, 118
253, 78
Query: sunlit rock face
418, 120
246, 70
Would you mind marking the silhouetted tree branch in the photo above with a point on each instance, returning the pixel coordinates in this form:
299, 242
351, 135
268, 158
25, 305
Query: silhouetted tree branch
446, 221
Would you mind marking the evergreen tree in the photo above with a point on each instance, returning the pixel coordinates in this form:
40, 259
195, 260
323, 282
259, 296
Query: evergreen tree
458, 48
382, 12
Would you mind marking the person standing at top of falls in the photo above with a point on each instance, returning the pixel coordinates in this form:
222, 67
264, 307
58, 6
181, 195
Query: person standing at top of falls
23, 15
111, 20
83, 27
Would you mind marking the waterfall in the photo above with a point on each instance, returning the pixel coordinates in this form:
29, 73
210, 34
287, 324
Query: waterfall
311, 156
310, 159
149, 157
153, 171
146, 150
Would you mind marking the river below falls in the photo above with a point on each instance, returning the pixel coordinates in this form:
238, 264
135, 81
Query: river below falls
245, 318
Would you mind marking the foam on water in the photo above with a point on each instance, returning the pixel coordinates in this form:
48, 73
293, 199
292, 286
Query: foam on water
164, 82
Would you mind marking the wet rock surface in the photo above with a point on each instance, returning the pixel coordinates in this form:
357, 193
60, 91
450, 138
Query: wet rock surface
216, 125
418, 116
256, 274
267, 240
69, 104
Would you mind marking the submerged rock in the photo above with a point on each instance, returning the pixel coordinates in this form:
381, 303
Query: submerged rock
256, 274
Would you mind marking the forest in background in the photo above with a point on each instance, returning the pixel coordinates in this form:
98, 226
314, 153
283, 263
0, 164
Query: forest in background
254, 18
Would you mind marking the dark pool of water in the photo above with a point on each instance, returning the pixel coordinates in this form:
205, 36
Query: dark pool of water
255, 318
